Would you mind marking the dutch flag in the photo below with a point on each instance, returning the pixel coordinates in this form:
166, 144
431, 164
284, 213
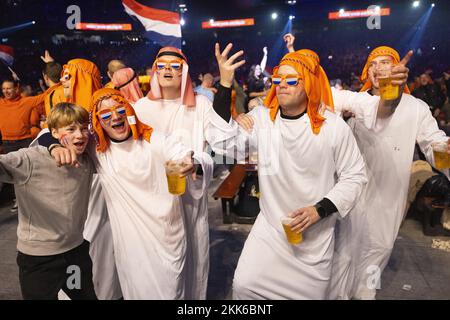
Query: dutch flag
162, 26
7, 55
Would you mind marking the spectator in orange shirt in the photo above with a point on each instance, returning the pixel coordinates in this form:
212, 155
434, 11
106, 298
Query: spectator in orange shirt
19, 116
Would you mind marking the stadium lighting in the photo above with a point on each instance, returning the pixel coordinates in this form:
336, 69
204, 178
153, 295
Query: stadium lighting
291, 2
211, 20
274, 16
341, 11
432, 5
416, 4
434, 48
33, 22
182, 21
291, 17
330, 57
182, 7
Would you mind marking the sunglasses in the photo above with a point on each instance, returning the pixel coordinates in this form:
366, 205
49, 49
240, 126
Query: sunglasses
173, 64
291, 79
106, 114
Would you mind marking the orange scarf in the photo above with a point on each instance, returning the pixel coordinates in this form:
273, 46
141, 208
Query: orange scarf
306, 63
138, 129
85, 80
326, 96
378, 52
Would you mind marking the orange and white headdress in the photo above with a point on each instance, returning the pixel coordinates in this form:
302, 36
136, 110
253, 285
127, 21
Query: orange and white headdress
138, 129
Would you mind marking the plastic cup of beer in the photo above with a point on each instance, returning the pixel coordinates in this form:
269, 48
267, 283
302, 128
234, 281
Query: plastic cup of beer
177, 184
388, 91
292, 236
441, 157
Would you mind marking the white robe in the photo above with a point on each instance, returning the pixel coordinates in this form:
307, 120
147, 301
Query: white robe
194, 127
366, 238
97, 230
146, 220
296, 169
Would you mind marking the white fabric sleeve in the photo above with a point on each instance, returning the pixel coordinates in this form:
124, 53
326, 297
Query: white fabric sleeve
363, 106
263, 63
199, 187
170, 145
428, 132
350, 169
228, 139
15, 167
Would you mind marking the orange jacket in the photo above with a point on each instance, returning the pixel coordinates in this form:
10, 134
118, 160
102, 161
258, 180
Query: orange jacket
19, 118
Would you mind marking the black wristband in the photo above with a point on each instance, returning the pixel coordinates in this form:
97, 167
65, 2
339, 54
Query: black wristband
222, 102
325, 208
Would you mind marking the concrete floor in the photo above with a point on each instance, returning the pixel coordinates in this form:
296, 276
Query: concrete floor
425, 271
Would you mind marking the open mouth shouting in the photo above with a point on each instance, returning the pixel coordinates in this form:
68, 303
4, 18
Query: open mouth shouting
168, 76
79, 146
119, 127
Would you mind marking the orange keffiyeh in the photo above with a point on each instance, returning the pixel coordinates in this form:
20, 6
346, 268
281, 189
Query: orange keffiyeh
316, 86
378, 52
84, 81
138, 128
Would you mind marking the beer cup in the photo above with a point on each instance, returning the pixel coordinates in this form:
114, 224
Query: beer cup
292, 236
441, 157
388, 91
176, 184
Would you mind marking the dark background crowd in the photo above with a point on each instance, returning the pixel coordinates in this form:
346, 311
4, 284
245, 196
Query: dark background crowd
343, 45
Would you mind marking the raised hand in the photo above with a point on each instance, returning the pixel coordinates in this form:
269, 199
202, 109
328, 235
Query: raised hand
399, 73
227, 67
47, 57
289, 39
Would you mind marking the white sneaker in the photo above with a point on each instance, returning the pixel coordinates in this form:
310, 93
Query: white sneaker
15, 207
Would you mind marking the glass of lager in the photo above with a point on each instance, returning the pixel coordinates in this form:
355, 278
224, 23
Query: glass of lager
388, 91
441, 157
292, 237
177, 184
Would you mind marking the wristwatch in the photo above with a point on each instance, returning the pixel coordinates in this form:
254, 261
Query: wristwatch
321, 211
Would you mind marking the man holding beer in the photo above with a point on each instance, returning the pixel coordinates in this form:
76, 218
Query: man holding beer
146, 219
388, 123
309, 170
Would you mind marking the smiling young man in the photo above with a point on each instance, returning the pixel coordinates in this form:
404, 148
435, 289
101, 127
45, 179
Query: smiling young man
310, 169
172, 108
52, 214
146, 220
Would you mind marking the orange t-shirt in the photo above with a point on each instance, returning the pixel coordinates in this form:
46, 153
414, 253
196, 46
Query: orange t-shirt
54, 96
19, 118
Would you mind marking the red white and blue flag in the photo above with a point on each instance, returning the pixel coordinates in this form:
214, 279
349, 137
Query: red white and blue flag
162, 26
7, 55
